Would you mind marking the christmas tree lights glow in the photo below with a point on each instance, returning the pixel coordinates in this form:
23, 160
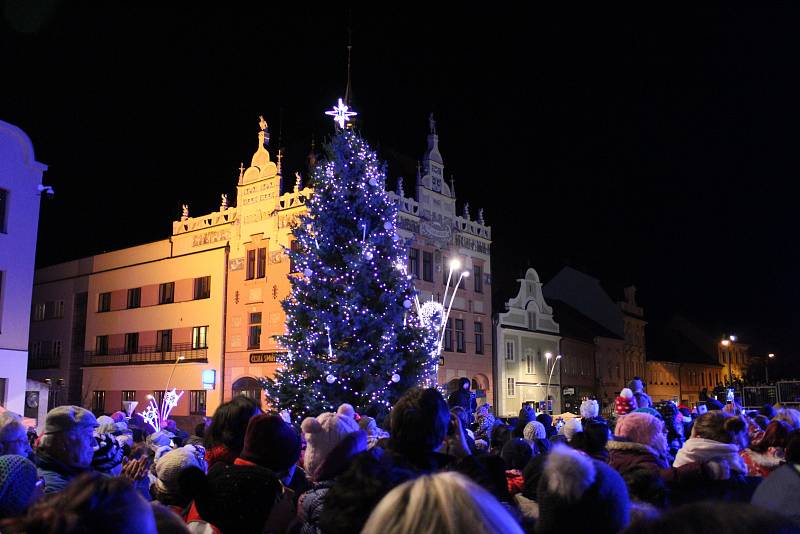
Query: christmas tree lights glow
351, 335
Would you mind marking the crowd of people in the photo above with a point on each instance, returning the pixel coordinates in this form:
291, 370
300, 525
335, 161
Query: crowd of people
440, 466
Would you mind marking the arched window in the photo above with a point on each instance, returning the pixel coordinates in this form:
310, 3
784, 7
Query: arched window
249, 387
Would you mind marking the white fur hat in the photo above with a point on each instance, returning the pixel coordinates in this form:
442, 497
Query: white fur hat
322, 434
590, 409
572, 427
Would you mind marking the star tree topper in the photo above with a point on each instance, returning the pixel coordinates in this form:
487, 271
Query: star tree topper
341, 113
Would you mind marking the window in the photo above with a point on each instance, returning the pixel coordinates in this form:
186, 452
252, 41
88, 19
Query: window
254, 338
3, 211
478, 274
262, 263
104, 302
251, 265
200, 337
132, 343
448, 335
128, 395
413, 262
134, 297
294, 247
197, 402
427, 266
159, 395
202, 287
529, 361
509, 351
39, 311
510, 388
164, 340
98, 401
166, 293
101, 345
478, 337
57, 348
461, 342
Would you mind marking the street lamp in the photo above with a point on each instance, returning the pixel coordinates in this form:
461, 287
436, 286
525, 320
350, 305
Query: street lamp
770, 356
549, 356
178, 359
726, 342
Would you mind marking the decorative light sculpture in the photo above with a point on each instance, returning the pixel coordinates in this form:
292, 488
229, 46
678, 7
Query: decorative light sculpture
341, 113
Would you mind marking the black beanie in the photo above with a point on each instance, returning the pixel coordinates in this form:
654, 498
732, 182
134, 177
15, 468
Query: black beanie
578, 494
271, 442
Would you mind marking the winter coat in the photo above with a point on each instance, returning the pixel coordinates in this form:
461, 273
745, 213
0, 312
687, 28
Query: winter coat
625, 456
719, 460
781, 492
514, 481
703, 450
762, 464
56, 475
309, 509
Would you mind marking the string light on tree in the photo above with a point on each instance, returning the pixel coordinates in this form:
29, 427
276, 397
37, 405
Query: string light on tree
356, 300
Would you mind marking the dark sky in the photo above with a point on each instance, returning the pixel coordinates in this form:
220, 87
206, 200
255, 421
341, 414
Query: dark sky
648, 148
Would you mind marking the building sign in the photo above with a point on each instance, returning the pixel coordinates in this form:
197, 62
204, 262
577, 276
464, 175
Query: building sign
471, 244
265, 357
211, 237
236, 264
209, 377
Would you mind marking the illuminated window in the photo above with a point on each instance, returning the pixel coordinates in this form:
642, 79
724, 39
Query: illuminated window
200, 337
128, 395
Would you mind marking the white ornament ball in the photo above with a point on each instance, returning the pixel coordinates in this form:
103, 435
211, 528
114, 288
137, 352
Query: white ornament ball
368, 255
407, 304
395, 238
373, 182
395, 378
388, 225
308, 273
330, 379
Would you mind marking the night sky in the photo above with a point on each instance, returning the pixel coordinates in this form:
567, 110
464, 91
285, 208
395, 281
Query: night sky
644, 148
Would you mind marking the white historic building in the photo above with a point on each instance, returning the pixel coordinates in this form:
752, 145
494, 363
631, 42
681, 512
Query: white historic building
527, 350
20, 191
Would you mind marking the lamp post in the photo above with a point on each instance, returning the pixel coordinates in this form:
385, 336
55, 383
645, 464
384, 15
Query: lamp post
770, 356
726, 342
548, 356
178, 359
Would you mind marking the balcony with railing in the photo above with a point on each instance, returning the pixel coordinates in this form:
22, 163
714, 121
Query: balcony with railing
146, 355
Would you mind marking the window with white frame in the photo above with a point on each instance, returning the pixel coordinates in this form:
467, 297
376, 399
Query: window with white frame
510, 388
529, 367
509, 351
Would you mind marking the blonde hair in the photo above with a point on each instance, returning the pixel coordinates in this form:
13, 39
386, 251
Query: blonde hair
445, 503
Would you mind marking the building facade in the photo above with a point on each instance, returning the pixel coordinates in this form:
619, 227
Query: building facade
206, 302
435, 235
528, 363
20, 195
663, 380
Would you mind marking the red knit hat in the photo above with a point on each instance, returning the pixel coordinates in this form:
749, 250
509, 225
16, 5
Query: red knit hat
625, 403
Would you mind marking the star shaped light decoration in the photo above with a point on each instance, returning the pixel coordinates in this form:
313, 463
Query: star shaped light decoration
341, 113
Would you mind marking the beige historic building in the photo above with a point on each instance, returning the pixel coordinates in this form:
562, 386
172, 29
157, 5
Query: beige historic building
435, 235
199, 310
663, 380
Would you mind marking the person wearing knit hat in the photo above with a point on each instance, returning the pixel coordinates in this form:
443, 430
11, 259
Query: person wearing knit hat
590, 409
578, 494
18, 485
625, 403
652, 411
570, 428
66, 448
348, 411
108, 455
271, 443
322, 434
536, 436
168, 471
236, 498
119, 417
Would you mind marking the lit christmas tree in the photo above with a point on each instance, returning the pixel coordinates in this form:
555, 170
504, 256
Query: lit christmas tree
352, 333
